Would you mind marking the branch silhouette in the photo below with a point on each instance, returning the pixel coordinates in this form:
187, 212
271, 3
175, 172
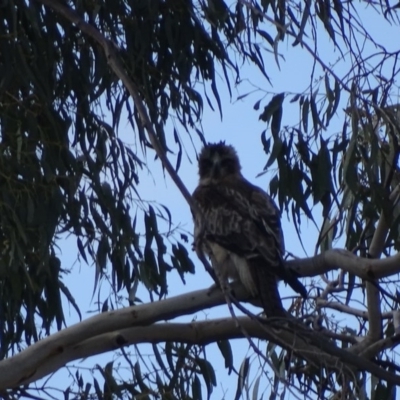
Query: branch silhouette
138, 324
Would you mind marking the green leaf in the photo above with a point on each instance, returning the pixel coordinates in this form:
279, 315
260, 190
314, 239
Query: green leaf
226, 351
196, 388
256, 388
102, 252
295, 185
304, 19
273, 107
382, 392
265, 142
243, 96
276, 122
295, 98
350, 165
337, 99
274, 185
266, 36
181, 259
81, 249
242, 378
276, 151
208, 374
351, 280
322, 184
149, 269
304, 113
99, 392
257, 105
139, 378
326, 235
317, 123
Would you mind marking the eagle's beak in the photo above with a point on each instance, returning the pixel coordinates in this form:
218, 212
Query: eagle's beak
215, 171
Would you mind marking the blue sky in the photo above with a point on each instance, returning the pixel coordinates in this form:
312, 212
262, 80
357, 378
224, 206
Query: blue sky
241, 128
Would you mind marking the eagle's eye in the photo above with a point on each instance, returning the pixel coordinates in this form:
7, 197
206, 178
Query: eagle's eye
205, 166
206, 163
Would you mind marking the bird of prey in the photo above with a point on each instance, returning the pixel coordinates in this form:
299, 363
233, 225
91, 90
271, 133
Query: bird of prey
238, 226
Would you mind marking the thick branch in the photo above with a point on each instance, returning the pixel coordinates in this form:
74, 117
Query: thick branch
206, 332
29, 360
373, 296
196, 333
365, 268
380, 345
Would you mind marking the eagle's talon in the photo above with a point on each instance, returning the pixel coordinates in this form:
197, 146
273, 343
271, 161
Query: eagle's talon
213, 288
226, 288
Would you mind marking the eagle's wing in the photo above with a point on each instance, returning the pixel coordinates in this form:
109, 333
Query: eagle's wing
241, 218
269, 214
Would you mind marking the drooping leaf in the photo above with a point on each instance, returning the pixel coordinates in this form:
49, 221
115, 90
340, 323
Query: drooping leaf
242, 378
274, 107
208, 373
226, 351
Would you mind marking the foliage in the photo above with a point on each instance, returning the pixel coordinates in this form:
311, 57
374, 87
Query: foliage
65, 170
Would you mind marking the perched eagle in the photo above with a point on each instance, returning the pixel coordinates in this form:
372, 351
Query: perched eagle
238, 225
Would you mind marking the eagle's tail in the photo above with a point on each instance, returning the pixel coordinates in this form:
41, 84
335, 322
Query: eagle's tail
267, 287
290, 277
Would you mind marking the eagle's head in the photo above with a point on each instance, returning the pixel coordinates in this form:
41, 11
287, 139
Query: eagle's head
218, 161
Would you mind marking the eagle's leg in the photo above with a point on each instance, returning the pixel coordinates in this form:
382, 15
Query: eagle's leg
225, 287
213, 288
221, 283
221, 277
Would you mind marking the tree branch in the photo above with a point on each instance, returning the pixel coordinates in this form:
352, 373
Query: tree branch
349, 310
30, 359
365, 268
373, 295
203, 333
38, 354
